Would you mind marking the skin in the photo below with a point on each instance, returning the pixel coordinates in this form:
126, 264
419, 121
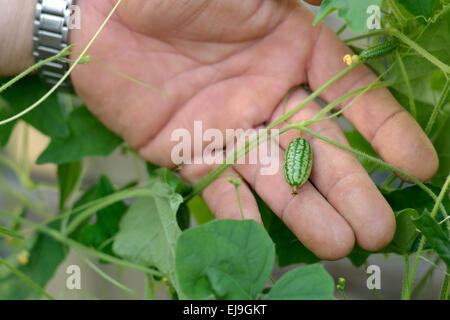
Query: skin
230, 64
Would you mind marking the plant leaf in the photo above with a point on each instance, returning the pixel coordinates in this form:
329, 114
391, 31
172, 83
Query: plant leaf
304, 283
419, 8
288, 248
358, 256
149, 230
354, 13
405, 233
88, 137
199, 209
414, 197
49, 118
5, 130
419, 70
46, 254
68, 175
434, 235
171, 178
358, 142
107, 220
179, 186
227, 259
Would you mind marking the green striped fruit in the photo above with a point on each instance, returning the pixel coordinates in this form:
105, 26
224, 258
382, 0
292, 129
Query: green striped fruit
379, 50
297, 163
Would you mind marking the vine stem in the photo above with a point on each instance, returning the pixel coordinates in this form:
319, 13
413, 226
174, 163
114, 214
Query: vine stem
398, 15
439, 199
19, 195
364, 36
437, 107
121, 195
341, 29
359, 92
21, 175
71, 200
412, 104
438, 63
106, 202
63, 52
405, 287
382, 164
445, 286
236, 188
25, 278
428, 274
303, 126
202, 184
106, 276
66, 75
72, 243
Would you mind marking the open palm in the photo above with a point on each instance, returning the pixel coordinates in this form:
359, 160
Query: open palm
229, 64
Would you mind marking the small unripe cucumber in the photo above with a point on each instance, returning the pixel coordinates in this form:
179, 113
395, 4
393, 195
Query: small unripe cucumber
298, 163
379, 50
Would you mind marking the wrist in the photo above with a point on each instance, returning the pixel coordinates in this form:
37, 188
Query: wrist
16, 35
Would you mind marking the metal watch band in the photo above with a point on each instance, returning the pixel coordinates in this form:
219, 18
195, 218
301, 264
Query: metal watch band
50, 37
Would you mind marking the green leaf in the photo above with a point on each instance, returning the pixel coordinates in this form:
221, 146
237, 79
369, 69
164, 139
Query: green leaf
358, 256
107, 220
225, 259
49, 118
171, 178
5, 130
149, 230
199, 209
9, 233
358, 142
438, 80
354, 13
436, 238
419, 8
405, 233
304, 283
46, 254
288, 248
88, 137
183, 217
414, 197
420, 71
178, 185
68, 175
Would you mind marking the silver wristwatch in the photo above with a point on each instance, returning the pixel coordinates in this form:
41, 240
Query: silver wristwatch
51, 29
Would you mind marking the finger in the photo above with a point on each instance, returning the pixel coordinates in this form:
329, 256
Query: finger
391, 130
308, 215
221, 196
342, 180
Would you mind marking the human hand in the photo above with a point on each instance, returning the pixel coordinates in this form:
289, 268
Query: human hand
229, 64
